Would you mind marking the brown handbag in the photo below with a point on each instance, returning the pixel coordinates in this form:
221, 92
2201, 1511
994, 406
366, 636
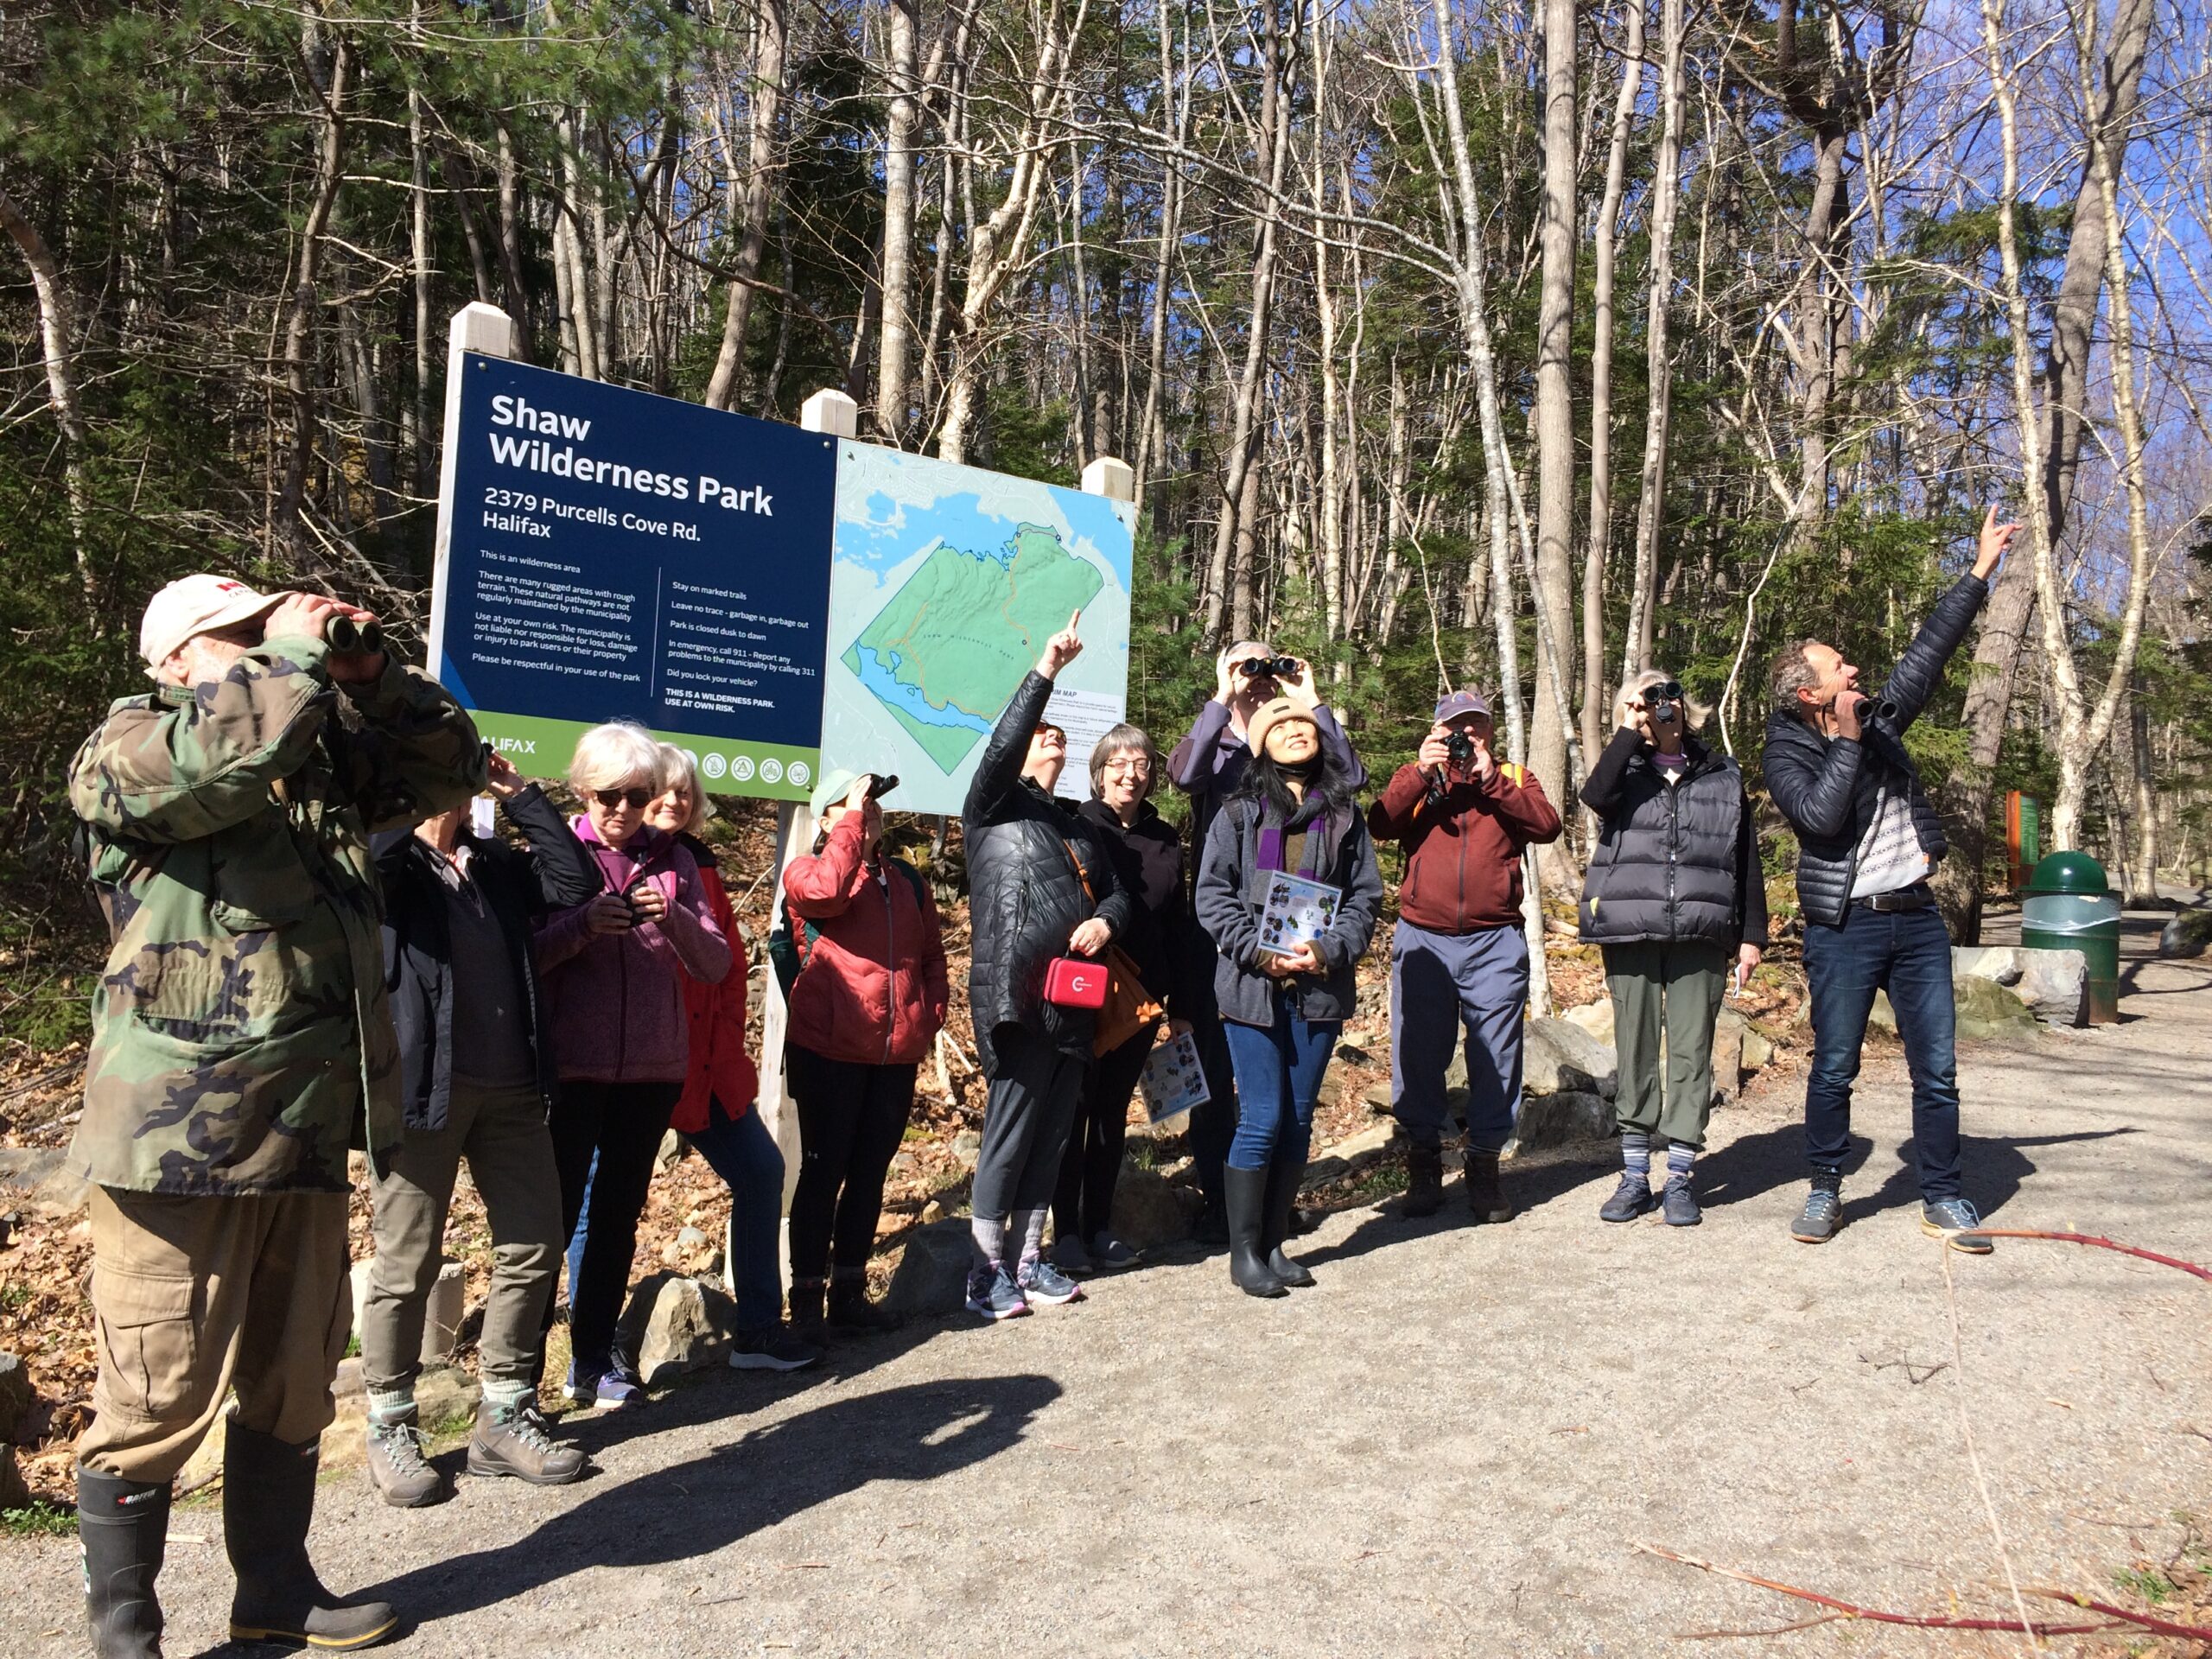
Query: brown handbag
1128, 1007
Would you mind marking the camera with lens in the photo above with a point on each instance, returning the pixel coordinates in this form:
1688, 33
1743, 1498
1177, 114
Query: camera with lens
1459, 750
1273, 668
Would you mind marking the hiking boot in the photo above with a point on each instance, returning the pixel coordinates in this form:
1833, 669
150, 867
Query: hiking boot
398, 1466
1424, 1182
1823, 1212
1956, 1222
1070, 1256
850, 1310
806, 1303
773, 1349
1681, 1209
1212, 1227
1485, 1196
268, 1503
1632, 1198
993, 1295
1040, 1281
1110, 1253
514, 1440
123, 1528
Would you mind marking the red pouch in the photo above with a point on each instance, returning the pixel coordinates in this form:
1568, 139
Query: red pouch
1073, 982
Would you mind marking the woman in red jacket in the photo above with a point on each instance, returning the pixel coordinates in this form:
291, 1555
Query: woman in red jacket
715, 1111
869, 1000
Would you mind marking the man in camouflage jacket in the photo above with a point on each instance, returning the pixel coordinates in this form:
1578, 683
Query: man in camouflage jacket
240, 1044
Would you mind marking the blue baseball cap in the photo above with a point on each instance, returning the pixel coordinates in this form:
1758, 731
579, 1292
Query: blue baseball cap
1461, 702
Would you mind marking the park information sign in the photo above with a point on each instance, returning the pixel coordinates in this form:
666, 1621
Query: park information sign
772, 599
610, 554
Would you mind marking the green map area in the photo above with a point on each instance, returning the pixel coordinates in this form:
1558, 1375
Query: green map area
946, 651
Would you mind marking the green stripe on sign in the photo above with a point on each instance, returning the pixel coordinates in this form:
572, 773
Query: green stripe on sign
542, 749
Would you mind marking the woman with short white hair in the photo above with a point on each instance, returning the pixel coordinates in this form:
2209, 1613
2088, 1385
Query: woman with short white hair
614, 971
1673, 898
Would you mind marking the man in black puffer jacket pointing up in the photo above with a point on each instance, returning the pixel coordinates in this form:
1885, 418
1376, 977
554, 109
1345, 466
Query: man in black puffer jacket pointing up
1868, 836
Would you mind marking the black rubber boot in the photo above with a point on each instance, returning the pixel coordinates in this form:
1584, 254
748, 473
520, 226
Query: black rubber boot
1283, 1176
807, 1306
1244, 1198
1484, 1196
850, 1309
268, 1501
1424, 1181
124, 1527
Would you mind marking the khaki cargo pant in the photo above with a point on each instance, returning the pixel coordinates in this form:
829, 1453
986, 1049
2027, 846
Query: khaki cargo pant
194, 1296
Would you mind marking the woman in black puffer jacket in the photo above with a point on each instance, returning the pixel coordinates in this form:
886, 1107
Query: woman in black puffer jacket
1040, 886
1675, 900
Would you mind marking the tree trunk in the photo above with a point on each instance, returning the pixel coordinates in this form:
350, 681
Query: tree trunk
1554, 409
756, 195
58, 348
903, 120
1650, 505
289, 524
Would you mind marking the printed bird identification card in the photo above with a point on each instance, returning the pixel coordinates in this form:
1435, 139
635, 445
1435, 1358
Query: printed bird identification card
1298, 912
1172, 1081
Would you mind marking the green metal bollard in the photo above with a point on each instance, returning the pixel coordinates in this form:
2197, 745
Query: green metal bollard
2068, 904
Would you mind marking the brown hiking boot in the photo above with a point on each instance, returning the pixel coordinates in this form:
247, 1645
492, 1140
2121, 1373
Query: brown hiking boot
514, 1440
1424, 1181
1484, 1196
398, 1468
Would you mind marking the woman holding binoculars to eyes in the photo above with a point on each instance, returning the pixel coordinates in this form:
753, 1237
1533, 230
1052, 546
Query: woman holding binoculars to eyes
1674, 900
613, 972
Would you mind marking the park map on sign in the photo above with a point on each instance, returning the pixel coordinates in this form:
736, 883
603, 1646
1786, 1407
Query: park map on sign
949, 648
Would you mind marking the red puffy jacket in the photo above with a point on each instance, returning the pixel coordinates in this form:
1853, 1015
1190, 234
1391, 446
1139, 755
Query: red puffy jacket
874, 987
720, 1068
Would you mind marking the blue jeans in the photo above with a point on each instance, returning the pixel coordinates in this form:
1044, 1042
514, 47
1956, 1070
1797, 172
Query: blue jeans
1441, 985
1279, 1071
746, 1156
1908, 954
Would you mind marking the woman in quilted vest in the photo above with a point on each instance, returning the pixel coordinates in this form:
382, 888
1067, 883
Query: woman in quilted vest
868, 1001
1675, 900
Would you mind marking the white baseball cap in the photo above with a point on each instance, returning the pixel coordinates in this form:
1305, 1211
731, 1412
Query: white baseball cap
196, 604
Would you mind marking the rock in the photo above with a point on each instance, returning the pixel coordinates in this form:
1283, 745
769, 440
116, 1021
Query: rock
1758, 1051
1353, 1153
933, 1212
1379, 1094
967, 1147
23, 1168
2187, 935
1559, 1057
932, 1276
675, 1324
1988, 1013
1596, 1018
2054, 984
1554, 1120
15, 1491
442, 1312
1727, 1056
17, 1397
689, 1239
1150, 1211
673, 1148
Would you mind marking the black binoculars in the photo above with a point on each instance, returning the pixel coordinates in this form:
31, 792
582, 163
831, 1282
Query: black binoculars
1274, 667
349, 639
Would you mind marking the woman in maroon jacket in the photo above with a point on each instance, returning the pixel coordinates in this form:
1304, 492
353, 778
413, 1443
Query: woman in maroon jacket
869, 997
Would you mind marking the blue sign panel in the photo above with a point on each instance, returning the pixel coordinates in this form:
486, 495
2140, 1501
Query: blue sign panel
612, 555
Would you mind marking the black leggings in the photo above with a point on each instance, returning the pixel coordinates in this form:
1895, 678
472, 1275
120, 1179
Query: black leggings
851, 1118
1083, 1204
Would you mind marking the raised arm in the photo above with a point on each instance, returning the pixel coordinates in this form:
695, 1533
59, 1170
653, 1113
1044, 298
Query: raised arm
1190, 767
1391, 816
1815, 796
820, 885
1920, 671
1601, 790
998, 775
176, 771
567, 874
417, 754
1339, 747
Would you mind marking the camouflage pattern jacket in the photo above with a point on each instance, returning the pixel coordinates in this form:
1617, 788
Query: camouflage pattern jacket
240, 1027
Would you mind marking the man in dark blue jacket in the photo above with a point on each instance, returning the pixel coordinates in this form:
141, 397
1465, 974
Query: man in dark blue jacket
1868, 836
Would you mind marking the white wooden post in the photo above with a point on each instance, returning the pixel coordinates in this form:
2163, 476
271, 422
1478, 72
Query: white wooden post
488, 332
1111, 477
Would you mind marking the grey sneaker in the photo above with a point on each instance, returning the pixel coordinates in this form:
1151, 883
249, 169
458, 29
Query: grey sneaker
1040, 1281
516, 1442
1071, 1256
1108, 1252
1681, 1209
1632, 1198
1822, 1215
773, 1349
398, 1467
995, 1296
1956, 1222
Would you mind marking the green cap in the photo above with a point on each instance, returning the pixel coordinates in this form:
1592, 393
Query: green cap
835, 785
2074, 872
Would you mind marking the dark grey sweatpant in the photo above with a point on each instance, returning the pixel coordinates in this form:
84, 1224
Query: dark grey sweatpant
1027, 1118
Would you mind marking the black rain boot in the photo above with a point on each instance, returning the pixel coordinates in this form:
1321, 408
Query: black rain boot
124, 1527
1282, 1218
268, 1501
1244, 1199
850, 1309
806, 1303
1424, 1181
1484, 1196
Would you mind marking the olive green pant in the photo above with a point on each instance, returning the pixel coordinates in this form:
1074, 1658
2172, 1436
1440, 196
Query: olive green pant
1674, 987
194, 1296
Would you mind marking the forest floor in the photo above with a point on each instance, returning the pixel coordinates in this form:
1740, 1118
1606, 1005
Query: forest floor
1460, 1441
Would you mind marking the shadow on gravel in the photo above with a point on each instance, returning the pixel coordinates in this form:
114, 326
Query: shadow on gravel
914, 1433
1528, 1187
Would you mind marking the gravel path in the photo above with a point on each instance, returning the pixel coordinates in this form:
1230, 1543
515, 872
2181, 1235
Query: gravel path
1448, 1446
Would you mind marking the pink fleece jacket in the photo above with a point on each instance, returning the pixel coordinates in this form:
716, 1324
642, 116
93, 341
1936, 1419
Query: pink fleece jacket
614, 1004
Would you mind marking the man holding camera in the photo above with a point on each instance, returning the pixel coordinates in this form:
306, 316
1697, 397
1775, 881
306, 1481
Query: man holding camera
240, 1044
1207, 765
1868, 836
1458, 957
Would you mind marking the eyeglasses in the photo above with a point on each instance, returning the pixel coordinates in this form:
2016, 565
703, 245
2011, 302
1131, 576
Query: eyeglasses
1052, 731
1136, 764
611, 799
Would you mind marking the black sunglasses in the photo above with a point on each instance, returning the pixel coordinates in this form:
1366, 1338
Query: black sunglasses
611, 799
